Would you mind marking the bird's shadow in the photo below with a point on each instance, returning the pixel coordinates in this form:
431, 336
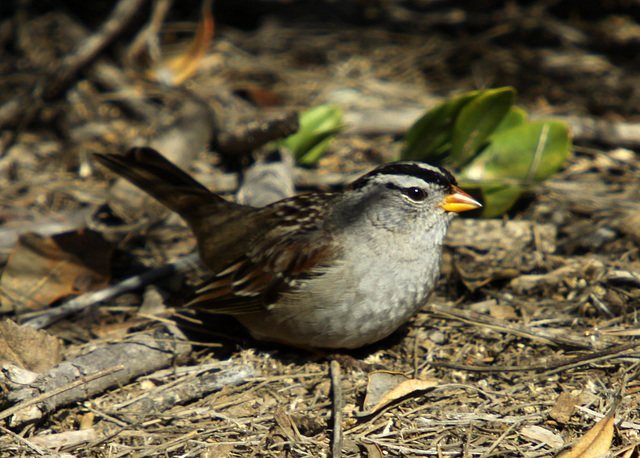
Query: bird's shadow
224, 336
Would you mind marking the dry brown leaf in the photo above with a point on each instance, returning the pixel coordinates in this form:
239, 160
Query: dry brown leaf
28, 348
175, 70
385, 387
259, 96
503, 312
595, 443
42, 270
632, 452
380, 383
564, 407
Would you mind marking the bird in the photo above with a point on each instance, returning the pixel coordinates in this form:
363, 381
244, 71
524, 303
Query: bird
321, 270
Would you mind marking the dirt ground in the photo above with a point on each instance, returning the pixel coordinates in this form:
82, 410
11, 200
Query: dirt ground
530, 340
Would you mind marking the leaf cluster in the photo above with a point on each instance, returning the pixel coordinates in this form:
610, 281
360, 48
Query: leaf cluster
491, 143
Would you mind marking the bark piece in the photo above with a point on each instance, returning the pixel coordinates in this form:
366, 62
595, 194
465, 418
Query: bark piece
194, 388
141, 354
491, 233
65, 439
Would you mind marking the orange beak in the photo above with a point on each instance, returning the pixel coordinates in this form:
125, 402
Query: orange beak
459, 201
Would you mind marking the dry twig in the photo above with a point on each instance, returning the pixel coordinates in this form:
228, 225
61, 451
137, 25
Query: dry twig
336, 387
83, 301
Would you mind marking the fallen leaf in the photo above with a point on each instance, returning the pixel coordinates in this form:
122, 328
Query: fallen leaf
385, 387
259, 96
176, 69
632, 452
43, 270
503, 312
28, 348
595, 443
543, 435
564, 407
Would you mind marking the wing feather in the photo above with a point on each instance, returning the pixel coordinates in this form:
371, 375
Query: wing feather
273, 262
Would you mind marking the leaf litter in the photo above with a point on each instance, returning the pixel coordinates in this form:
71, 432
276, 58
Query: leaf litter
544, 309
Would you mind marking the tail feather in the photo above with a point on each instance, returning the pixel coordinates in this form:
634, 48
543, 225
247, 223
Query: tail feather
160, 178
221, 227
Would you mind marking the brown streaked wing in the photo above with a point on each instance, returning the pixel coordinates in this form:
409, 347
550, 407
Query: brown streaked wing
273, 262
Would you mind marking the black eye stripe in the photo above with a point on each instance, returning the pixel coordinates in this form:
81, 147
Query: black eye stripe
413, 192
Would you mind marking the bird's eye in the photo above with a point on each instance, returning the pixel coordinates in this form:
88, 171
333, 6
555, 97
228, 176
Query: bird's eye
416, 194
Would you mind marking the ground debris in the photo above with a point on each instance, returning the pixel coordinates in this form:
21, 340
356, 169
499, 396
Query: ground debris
533, 328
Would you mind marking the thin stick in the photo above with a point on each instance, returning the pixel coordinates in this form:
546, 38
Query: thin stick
336, 387
33, 447
551, 366
121, 14
159, 10
536, 334
86, 300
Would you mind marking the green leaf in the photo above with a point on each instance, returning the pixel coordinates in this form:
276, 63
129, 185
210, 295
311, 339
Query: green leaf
432, 131
527, 153
493, 143
318, 125
476, 121
497, 198
515, 157
514, 118
316, 151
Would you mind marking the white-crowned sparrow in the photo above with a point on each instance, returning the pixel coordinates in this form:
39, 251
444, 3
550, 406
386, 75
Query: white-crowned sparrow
325, 270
